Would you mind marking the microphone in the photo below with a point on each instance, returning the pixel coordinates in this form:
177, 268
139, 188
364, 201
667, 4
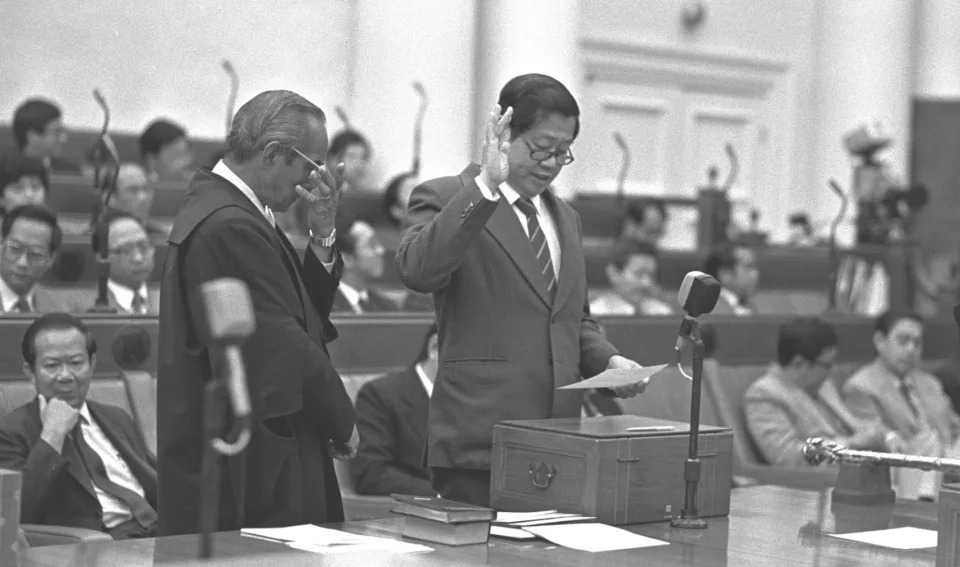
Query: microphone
230, 321
131, 347
624, 165
698, 295
105, 137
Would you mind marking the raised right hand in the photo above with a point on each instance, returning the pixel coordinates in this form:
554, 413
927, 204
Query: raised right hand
494, 162
59, 418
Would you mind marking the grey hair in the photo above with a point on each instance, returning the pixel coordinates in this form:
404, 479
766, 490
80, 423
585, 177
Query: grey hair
271, 116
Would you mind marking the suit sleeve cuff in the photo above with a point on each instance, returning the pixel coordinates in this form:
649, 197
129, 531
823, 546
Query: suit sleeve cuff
487, 193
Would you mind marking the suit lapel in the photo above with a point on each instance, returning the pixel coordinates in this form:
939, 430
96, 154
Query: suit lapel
140, 469
415, 401
566, 225
505, 228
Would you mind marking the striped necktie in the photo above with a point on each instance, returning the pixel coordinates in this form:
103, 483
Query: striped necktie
138, 304
539, 242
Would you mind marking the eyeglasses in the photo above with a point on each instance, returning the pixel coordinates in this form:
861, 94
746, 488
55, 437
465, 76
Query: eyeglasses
13, 251
538, 155
145, 249
310, 161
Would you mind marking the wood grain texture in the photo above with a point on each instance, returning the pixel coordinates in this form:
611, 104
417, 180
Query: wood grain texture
766, 526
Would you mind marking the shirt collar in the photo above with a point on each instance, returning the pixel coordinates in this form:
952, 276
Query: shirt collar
511, 195
733, 299
84, 410
225, 172
10, 297
424, 379
124, 295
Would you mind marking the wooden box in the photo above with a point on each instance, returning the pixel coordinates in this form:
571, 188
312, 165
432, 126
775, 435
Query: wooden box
10, 485
594, 466
948, 526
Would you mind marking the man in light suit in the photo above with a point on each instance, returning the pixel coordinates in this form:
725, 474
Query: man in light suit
84, 464
31, 240
130, 254
502, 257
787, 406
896, 392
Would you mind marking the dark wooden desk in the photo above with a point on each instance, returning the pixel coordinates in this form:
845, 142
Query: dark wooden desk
767, 526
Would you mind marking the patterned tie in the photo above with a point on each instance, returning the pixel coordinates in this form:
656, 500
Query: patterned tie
142, 512
22, 306
138, 304
539, 242
908, 396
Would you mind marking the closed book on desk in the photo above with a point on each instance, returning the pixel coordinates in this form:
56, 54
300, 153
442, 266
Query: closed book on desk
440, 509
598, 467
460, 533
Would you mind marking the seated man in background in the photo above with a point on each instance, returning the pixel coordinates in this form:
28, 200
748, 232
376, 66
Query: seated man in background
352, 149
23, 181
362, 262
735, 267
392, 423
801, 231
39, 132
130, 254
134, 194
644, 220
397, 196
785, 407
166, 152
894, 391
84, 464
632, 273
31, 239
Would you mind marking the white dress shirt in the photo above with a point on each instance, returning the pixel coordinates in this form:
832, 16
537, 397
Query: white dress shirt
10, 297
115, 511
124, 296
354, 296
424, 379
547, 225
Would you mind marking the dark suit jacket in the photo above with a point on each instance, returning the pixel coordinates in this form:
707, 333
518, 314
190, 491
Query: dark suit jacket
285, 476
56, 487
504, 347
377, 303
392, 422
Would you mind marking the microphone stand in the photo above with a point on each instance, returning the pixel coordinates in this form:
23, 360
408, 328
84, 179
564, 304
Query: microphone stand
690, 517
107, 188
213, 395
834, 261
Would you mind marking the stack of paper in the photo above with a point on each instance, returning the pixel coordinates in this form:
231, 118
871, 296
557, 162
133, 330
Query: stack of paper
512, 525
324, 540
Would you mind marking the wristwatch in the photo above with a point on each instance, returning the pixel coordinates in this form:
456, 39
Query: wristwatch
323, 242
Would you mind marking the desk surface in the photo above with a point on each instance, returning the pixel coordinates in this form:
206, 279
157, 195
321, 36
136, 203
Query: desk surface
767, 526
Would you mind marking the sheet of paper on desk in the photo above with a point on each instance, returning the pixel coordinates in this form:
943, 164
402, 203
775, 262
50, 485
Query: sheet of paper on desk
511, 517
896, 538
593, 537
309, 537
616, 377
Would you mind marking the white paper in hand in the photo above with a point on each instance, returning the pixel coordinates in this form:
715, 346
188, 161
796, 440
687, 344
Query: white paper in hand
615, 378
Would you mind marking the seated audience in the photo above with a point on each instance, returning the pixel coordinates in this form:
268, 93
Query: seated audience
801, 231
353, 150
31, 239
130, 254
392, 423
166, 152
644, 220
84, 464
896, 392
39, 133
23, 181
735, 267
632, 273
397, 195
787, 406
362, 263
134, 194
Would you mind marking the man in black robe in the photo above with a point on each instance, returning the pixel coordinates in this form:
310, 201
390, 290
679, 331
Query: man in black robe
302, 415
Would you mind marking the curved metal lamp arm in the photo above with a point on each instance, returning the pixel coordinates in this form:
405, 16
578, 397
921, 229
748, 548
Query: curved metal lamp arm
624, 165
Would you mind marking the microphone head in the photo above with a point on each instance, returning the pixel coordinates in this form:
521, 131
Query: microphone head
131, 347
229, 310
835, 187
698, 294
101, 100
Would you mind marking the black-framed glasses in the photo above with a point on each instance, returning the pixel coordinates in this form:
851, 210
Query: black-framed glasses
563, 158
145, 249
13, 251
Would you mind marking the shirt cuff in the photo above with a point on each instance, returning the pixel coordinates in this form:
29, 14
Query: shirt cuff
485, 191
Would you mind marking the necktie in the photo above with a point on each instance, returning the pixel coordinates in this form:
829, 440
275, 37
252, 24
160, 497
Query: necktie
142, 512
22, 305
138, 303
539, 242
363, 301
908, 396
